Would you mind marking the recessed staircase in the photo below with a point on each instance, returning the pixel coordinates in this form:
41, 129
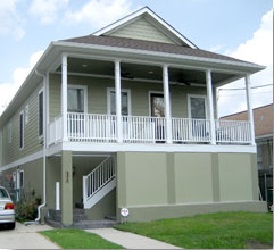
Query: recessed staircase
99, 183
96, 186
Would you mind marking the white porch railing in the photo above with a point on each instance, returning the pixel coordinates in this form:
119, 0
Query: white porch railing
190, 130
99, 182
55, 131
228, 131
85, 127
143, 129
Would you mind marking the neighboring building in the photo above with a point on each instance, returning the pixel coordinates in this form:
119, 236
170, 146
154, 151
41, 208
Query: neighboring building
126, 118
263, 119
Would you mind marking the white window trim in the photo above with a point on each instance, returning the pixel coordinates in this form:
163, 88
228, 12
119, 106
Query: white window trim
10, 130
189, 96
128, 91
85, 88
26, 118
159, 92
23, 130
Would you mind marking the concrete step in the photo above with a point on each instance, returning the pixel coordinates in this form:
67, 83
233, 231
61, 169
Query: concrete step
78, 215
89, 224
83, 224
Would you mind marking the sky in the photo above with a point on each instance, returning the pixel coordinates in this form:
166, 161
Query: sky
239, 28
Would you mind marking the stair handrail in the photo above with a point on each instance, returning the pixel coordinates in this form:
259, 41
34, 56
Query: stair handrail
98, 177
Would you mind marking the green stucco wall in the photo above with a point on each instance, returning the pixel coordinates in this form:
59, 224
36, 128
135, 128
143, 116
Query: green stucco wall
193, 179
172, 182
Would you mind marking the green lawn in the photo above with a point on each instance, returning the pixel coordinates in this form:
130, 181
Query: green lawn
220, 230
77, 239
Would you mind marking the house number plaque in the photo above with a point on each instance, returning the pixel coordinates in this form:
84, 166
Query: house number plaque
124, 212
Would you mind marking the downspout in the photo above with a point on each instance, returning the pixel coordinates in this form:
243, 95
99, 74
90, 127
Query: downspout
44, 148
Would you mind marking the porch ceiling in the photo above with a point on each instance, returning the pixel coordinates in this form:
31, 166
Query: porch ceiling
145, 72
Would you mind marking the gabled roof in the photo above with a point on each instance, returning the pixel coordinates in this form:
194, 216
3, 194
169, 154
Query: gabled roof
156, 20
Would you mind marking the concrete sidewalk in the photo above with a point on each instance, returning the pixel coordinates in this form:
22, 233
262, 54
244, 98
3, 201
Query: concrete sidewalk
26, 237
130, 240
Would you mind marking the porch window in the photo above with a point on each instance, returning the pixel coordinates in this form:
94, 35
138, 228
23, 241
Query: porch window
125, 102
76, 99
197, 107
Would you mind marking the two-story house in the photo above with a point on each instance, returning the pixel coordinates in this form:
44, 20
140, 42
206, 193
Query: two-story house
126, 118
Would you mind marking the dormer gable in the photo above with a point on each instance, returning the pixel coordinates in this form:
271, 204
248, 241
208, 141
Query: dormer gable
144, 24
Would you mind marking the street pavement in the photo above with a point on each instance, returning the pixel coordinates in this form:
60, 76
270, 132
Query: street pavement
25, 237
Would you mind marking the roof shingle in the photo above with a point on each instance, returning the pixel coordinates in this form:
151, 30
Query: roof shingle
127, 43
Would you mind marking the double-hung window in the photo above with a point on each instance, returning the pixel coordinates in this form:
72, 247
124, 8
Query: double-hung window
77, 99
126, 102
21, 130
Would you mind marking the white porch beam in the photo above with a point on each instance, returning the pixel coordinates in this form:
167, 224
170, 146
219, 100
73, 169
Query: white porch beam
249, 110
64, 98
167, 105
211, 107
118, 95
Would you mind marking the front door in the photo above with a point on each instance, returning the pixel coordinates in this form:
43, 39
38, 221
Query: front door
157, 110
157, 105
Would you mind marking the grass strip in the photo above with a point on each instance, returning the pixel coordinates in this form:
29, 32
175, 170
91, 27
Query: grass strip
225, 230
77, 239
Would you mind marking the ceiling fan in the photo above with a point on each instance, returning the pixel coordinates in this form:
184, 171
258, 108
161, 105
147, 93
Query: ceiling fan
127, 75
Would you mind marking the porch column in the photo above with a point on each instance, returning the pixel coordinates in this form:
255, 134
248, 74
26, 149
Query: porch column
64, 98
211, 108
66, 188
249, 110
167, 106
118, 101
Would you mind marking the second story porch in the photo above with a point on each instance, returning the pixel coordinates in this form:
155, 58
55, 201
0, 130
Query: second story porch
136, 102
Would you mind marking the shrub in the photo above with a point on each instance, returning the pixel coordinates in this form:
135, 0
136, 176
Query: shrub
26, 211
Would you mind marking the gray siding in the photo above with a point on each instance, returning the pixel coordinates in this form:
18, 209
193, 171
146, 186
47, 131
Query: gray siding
32, 143
143, 30
97, 95
54, 96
